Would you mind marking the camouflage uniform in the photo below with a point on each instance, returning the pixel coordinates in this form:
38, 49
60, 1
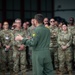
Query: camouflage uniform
59, 30
54, 45
19, 55
31, 30
0, 53
6, 39
27, 34
71, 29
73, 32
65, 56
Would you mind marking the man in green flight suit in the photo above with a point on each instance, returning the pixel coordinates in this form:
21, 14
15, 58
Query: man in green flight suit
41, 60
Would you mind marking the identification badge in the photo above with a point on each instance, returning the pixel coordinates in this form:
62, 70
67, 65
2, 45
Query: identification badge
7, 38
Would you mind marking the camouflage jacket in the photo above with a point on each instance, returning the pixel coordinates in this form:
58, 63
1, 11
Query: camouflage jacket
53, 36
15, 33
70, 28
31, 30
6, 37
27, 33
65, 38
73, 35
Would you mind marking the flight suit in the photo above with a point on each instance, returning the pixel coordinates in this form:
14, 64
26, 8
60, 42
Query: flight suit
41, 60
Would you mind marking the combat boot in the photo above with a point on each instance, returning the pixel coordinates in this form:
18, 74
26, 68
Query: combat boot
11, 73
3, 73
70, 73
61, 73
15, 73
24, 73
57, 71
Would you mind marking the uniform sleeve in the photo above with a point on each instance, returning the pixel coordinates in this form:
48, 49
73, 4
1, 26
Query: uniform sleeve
0, 38
12, 39
73, 37
29, 32
33, 41
70, 42
59, 40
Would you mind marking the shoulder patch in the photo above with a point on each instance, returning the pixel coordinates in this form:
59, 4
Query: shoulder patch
33, 34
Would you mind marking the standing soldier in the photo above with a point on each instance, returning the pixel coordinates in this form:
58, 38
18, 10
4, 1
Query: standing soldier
71, 26
19, 53
7, 52
0, 26
32, 27
60, 25
46, 22
25, 29
0, 48
57, 21
71, 23
13, 26
73, 32
64, 50
54, 44
31, 30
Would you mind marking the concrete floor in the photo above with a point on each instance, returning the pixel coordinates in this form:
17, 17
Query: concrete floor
30, 73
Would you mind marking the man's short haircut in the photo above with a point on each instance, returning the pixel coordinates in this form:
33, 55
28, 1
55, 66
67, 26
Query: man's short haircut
65, 23
71, 18
39, 18
18, 19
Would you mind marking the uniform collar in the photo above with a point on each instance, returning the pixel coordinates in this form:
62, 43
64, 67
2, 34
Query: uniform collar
65, 31
40, 25
18, 29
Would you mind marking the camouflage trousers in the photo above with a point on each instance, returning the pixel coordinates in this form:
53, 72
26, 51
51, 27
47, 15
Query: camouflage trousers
54, 57
65, 57
19, 58
6, 60
0, 59
74, 54
30, 53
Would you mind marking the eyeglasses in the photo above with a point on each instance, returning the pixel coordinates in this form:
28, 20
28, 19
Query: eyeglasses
71, 20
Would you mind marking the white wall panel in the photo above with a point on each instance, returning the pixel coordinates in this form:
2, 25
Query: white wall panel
68, 7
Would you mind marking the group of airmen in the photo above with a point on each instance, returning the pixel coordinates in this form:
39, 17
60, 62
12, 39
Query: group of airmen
62, 46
